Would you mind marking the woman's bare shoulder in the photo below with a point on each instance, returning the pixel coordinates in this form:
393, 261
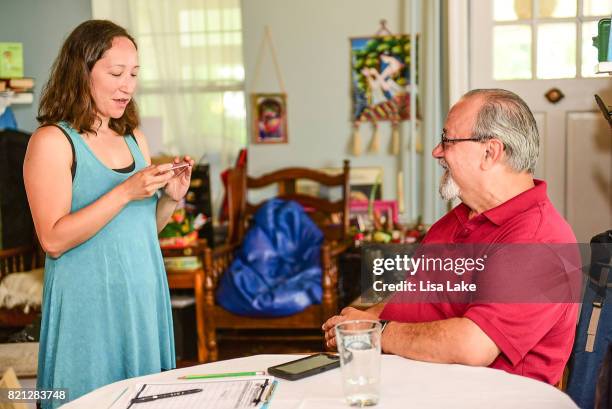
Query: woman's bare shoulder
50, 133
50, 138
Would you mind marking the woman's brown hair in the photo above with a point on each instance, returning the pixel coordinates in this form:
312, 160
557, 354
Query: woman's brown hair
67, 94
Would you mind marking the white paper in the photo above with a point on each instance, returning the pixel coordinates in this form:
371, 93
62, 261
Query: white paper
222, 393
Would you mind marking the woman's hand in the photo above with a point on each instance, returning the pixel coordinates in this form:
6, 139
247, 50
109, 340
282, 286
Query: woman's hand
179, 183
146, 182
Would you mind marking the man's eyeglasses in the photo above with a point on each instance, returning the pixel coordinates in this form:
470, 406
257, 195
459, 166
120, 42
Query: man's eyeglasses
444, 140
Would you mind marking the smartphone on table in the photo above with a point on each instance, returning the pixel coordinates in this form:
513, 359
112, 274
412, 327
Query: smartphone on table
308, 366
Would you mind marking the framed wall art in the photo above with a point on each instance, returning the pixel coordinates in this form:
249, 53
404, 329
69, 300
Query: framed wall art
380, 76
269, 118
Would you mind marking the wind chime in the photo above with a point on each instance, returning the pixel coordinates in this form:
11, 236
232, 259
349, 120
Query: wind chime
380, 73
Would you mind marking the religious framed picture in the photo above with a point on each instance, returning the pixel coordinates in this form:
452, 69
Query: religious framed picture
386, 208
269, 113
381, 77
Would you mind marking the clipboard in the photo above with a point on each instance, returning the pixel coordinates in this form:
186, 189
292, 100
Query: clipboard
239, 393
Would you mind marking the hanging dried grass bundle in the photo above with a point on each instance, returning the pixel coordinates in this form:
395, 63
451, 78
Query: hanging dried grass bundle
375, 142
356, 149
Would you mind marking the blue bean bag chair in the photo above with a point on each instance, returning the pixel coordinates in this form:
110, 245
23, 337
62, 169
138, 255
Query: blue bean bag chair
277, 271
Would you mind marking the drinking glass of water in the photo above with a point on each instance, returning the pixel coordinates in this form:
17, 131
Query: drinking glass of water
359, 348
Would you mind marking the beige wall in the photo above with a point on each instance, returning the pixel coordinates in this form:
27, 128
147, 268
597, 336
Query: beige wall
312, 42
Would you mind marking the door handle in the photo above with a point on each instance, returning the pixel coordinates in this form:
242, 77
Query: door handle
554, 95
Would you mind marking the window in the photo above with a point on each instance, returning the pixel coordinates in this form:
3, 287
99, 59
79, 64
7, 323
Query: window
191, 79
545, 39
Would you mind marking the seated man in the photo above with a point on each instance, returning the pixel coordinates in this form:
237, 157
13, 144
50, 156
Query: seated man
491, 171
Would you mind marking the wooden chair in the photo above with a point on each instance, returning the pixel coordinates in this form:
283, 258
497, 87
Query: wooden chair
562, 384
14, 260
332, 217
191, 279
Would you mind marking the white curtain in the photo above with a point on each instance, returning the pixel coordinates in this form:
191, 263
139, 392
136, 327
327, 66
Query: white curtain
191, 80
432, 85
427, 18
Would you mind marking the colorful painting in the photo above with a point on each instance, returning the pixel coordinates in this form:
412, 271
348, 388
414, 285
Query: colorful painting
269, 118
11, 60
380, 73
387, 208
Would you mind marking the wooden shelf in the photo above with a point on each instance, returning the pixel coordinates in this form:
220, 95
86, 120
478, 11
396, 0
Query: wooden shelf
13, 98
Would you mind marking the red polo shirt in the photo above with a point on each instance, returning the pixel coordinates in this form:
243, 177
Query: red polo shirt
535, 339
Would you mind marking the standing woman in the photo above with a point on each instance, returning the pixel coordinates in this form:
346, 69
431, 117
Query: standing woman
97, 206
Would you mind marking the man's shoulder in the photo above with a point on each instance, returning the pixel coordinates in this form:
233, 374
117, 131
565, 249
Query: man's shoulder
541, 224
555, 225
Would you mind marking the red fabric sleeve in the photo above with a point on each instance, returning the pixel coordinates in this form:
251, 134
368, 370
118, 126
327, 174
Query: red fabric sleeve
516, 328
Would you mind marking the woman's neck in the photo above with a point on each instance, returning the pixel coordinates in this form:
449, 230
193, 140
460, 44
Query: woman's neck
103, 124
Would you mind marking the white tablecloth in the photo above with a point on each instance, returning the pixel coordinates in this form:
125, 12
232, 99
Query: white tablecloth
405, 384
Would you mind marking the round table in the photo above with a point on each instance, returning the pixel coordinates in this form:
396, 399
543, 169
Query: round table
404, 383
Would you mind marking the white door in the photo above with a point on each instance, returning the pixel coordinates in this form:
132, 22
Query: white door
530, 47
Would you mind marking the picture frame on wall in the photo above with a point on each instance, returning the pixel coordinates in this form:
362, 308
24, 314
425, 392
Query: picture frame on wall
386, 208
381, 77
363, 180
269, 112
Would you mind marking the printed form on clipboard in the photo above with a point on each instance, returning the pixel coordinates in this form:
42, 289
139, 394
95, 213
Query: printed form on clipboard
229, 393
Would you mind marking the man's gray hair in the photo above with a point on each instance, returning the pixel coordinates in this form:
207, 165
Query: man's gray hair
505, 116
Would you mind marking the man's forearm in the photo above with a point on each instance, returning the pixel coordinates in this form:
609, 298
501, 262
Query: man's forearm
450, 341
165, 207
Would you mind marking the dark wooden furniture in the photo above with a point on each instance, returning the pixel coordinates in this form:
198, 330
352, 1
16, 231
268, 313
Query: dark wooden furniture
199, 196
191, 279
16, 226
332, 217
14, 260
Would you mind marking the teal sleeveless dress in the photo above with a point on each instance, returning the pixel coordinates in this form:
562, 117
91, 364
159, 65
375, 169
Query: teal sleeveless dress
106, 313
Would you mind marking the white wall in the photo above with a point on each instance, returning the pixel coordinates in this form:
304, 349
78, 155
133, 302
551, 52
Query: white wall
42, 27
312, 42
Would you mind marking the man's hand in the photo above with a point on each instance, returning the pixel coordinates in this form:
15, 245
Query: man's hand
349, 313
